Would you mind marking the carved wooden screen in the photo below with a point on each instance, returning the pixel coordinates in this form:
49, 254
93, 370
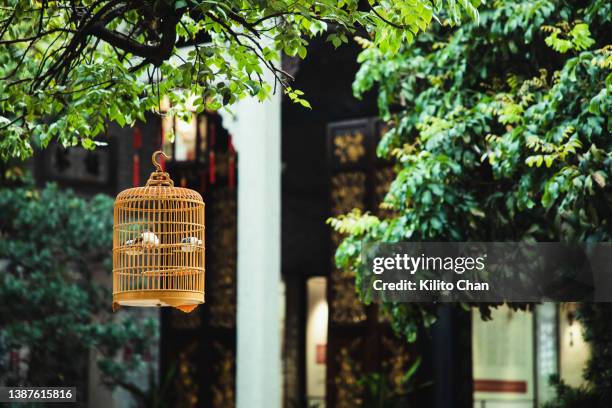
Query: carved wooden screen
200, 347
360, 341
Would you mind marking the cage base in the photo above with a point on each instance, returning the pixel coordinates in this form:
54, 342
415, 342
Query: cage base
182, 300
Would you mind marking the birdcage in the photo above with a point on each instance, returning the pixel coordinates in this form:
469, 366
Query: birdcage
158, 245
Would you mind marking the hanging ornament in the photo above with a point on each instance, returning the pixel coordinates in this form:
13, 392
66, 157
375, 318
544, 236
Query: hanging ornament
211, 153
231, 172
135, 170
137, 139
158, 245
136, 144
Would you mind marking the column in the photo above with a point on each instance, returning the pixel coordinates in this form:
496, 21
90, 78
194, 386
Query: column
257, 137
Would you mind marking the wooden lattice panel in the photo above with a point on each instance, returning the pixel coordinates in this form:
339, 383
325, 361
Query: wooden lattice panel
158, 245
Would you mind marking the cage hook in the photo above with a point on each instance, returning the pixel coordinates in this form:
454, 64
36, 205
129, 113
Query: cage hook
155, 162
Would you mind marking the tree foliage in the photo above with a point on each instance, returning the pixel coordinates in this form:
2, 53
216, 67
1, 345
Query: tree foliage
67, 67
52, 309
500, 131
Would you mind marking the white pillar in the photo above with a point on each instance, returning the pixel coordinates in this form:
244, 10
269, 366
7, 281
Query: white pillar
257, 136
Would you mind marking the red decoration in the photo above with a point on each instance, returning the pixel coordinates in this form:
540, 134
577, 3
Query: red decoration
231, 172
211, 155
211, 167
518, 386
213, 134
136, 144
137, 138
135, 170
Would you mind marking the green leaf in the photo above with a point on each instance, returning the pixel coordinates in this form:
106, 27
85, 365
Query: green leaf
305, 103
302, 52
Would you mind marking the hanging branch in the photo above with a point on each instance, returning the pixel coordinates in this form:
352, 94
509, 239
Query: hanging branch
74, 65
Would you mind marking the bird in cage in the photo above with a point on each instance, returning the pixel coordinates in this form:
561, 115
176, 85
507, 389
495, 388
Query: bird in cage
136, 245
190, 244
163, 227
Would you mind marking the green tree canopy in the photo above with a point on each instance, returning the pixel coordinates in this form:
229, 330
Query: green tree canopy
500, 131
67, 67
53, 311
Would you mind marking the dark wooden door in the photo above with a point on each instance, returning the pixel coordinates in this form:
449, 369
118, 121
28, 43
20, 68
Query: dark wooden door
361, 345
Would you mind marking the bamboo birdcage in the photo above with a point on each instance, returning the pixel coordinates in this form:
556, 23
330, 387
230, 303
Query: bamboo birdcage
158, 245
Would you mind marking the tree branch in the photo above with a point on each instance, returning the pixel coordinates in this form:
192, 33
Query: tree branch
391, 23
36, 37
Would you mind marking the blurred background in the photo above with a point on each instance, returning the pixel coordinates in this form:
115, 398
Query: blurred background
56, 324
57, 327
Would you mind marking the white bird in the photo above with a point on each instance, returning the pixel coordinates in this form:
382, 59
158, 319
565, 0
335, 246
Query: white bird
190, 244
147, 238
